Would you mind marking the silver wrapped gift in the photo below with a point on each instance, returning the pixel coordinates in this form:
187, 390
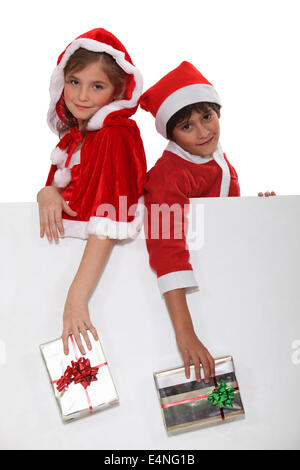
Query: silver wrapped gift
184, 402
76, 401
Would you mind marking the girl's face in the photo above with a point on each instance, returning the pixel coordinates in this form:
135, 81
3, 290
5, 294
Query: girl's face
87, 91
199, 135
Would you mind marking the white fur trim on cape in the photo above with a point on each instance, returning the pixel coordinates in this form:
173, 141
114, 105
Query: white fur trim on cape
183, 97
58, 156
218, 156
57, 83
102, 226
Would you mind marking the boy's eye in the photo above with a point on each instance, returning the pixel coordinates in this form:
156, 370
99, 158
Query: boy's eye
186, 127
98, 87
74, 82
206, 117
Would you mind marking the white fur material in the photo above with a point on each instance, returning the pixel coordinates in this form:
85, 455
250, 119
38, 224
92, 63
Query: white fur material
58, 156
57, 83
62, 177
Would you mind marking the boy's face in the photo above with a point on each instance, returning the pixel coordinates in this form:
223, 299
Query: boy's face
198, 135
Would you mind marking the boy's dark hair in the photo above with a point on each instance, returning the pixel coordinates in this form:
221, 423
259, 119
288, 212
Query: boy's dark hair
185, 113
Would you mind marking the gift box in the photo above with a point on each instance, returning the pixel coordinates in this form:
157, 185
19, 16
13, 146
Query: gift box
187, 404
81, 384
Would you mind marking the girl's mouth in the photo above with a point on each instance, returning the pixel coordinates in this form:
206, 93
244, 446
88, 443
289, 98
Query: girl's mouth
82, 107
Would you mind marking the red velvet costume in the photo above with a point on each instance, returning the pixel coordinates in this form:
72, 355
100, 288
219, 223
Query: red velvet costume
178, 176
111, 164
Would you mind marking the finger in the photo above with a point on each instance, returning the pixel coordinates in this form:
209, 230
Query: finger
212, 366
206, 369
186, 358
58, 221
53, 226
92, 330
65, 338
78, 341
83, 331
42, 226
47, 226
196, 362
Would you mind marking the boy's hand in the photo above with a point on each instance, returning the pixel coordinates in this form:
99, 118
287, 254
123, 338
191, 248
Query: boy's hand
76, 320
191, 348
51, 205
266, 194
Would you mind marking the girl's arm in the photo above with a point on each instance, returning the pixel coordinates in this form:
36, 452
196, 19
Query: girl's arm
190, 346
76, 317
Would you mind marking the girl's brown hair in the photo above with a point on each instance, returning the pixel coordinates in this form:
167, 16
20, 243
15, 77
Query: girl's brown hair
185, 113
78, 61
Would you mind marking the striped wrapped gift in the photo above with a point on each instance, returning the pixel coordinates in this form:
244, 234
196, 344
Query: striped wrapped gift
184, 402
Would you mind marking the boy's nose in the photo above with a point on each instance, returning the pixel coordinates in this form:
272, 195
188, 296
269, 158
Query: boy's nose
202, 132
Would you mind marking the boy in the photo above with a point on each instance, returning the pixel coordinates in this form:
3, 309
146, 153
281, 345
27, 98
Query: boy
186, 108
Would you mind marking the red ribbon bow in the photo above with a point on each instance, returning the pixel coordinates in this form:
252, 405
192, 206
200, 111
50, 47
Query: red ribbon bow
70, 142
79, 372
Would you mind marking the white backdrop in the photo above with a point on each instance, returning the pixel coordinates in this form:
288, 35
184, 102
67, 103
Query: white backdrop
249, 50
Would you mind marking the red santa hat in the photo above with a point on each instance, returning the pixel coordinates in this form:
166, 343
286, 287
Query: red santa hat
181, 87
96, 40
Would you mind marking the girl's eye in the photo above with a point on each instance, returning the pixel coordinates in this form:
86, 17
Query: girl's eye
74, 82
186, 127
98, 87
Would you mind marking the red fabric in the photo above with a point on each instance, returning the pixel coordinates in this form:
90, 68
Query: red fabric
185, 74
112, 164
174, 180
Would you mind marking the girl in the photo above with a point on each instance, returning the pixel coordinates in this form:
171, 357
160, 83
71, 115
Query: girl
98, 167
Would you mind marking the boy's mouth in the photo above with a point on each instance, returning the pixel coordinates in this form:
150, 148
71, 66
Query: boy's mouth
207, 141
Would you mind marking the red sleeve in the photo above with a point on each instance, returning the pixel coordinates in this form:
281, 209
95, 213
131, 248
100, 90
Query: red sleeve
167, 205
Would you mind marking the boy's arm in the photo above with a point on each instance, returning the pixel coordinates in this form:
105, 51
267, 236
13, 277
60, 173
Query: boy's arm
76, 315
190, 346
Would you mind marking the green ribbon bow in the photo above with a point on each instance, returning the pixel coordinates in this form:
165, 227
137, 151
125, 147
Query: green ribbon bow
222, 395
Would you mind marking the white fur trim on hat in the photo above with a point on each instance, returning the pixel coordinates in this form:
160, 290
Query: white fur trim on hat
183, 97
57, 83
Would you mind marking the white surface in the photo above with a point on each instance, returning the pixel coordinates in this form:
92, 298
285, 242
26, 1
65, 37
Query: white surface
249, 50
247, 307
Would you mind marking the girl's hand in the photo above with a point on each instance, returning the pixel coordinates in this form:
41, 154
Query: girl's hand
51, 205
191, 348
267, 194
76, 320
